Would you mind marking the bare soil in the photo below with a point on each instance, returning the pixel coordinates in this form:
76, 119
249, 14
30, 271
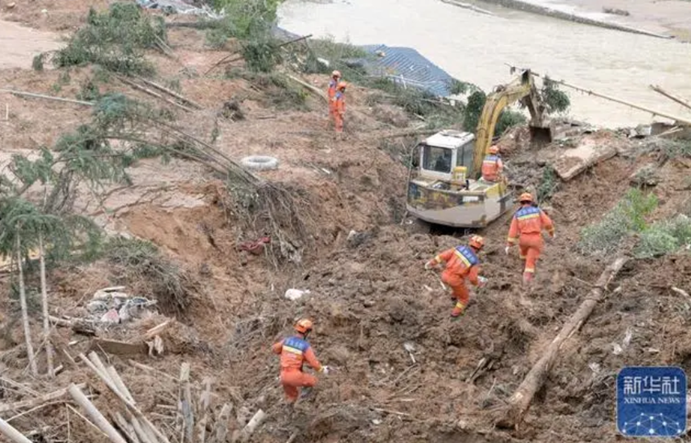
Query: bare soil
369, 293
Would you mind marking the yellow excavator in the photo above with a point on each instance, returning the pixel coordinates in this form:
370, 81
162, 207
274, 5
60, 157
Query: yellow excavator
445, 187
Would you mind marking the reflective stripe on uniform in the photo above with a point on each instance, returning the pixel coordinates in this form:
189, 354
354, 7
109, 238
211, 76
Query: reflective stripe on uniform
292, 350
465, 261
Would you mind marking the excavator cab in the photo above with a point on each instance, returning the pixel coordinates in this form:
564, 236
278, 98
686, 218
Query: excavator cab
441, 190
445, 186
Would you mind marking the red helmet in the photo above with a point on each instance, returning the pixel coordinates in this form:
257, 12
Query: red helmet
303, 326
341, 85
476, 242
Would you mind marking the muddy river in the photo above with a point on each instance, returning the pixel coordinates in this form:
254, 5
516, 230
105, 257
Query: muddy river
476, 47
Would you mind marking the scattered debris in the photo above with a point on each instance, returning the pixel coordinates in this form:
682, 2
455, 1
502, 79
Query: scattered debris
260, 162
254, 247
179, 7
523, 396
295, 294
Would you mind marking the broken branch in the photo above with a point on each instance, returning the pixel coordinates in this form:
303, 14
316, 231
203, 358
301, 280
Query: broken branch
100, 421
36, 401
11, 433
168, 91
46, 97
520, 400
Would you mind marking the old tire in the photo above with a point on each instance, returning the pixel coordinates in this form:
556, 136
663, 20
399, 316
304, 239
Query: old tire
260, 162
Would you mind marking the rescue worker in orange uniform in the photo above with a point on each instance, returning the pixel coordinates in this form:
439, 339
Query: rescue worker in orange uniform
526, 228
339, 106
461, 263
331, 92
294, 352
333, 83
492, 165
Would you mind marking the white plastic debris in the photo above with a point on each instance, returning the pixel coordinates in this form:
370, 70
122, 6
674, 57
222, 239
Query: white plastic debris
295, 294
376, 422
595, 367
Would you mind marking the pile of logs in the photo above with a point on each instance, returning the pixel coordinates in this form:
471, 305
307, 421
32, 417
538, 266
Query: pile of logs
195, 421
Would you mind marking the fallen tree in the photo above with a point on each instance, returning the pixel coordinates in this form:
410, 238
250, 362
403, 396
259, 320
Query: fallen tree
521, 399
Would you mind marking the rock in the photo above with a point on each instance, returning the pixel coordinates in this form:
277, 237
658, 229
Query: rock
368, 303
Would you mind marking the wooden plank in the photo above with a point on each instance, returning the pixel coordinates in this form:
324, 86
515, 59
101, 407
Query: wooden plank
116, 347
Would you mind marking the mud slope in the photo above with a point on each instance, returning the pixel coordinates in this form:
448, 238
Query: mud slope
369, 294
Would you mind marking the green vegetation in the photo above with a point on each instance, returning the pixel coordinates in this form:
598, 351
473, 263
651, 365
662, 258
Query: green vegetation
555, 100
473, 110
665, 237
115, 40
549, 184
251, 23
629, 218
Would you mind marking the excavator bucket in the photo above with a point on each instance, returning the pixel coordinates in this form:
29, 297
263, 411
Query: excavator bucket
541, 135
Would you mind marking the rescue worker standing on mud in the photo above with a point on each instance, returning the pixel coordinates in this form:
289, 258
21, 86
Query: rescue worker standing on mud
461, 263
333, 83
526, 228
294, 352
492, 165
339, 106
331, 93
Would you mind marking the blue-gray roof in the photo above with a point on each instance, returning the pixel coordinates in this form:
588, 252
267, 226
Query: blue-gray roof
409, 67
403, 65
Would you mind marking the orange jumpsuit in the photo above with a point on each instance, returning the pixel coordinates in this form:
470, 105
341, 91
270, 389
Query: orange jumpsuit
461, 263
331, 94
491, 168
294, 352
339, 110
526, 227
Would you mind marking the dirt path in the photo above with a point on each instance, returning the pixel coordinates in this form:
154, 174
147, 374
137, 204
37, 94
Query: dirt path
19, 45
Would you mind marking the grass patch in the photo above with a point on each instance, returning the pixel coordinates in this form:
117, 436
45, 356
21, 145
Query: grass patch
115, 40
664, 237
627, 217
549, 184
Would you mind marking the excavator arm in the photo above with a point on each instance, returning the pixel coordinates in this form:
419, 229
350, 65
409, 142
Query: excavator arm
521, 89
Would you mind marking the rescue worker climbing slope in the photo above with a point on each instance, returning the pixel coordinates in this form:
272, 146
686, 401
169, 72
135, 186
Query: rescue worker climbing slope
492, 165
461, 263
294, 352
339, 106
331, 93
526, 228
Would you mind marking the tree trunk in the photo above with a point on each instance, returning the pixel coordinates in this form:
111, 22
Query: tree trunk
25, 310
44, 300
520, 400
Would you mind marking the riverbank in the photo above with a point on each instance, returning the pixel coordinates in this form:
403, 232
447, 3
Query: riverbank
611, 62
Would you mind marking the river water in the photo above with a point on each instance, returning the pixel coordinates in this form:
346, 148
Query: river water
476, 47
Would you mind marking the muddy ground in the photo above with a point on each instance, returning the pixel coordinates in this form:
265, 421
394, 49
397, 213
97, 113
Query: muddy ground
369, 294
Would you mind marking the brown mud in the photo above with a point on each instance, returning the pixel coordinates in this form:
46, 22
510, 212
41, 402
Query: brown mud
369, 295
